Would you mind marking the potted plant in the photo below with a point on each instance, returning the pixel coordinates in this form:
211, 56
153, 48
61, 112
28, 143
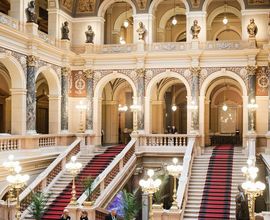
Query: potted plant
88, 188
38, 206
160, 195
131, 207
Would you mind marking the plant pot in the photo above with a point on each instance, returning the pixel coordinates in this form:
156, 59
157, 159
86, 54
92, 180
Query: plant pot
88, 203
158, 206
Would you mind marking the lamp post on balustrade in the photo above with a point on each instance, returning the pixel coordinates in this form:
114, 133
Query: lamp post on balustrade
150, 186
252, 106
135, 108
252, 189
18, 181
175, 171
10, 165
121, 109
74, 168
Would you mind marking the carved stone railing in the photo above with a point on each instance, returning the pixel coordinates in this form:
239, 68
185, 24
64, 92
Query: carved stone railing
163, 140
225, 45
47, 176
9, 21
114, 48
168, 46
182, 190
46, 38
108, 175
16, 142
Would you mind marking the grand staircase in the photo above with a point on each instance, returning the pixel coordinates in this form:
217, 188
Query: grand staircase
61, 190
213, 185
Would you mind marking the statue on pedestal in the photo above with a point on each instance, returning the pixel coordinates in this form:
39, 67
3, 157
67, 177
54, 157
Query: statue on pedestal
195, 29
65, 31
252, 29
141, 31
90, 34
30, 12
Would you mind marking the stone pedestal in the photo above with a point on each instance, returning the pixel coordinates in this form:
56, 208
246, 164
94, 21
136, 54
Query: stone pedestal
195, 44
65, 44
31, 29
161, 214
140, 46
74, 212
89, 48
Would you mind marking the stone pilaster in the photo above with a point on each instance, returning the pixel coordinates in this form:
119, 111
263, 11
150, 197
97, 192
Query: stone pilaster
251, 71
89, 74
31, 95
195, 71
65, 71
141, 91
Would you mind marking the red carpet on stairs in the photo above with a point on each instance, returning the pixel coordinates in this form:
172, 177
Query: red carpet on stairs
96, 166
216, 197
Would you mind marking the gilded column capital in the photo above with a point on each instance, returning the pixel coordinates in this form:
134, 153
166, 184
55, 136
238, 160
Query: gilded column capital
195, 71
141, 72
251, 70
65, 71
32, 60
89, 73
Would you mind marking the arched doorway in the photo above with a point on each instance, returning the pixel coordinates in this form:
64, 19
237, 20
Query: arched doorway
170, 20
42, 105
223, 109
48, 94
113, 94
15, 86
166, 103
118, 26
5, 100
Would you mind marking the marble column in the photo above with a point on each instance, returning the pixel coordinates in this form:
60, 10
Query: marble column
31, 95
195, 71
89, 95
251, 71
141, 91
65, 71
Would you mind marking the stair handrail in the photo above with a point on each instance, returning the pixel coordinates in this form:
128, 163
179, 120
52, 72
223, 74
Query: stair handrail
187, 164
119, 160
46, 177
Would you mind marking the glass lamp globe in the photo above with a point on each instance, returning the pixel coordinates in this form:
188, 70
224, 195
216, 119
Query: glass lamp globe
126, 23
225, 20
224, 107
174, 21
174, 108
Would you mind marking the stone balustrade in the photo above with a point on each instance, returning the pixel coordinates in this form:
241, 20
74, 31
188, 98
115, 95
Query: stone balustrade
16, 142
179, 140
47, 177
46, 38
9, 21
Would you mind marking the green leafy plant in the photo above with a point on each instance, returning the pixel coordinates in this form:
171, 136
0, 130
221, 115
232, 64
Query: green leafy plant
88, 184
38, 206
131, 205
160, 195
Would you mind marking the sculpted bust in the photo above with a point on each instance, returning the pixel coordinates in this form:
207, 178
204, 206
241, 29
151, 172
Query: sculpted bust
30, 12
65, 31
90, 34
141, 31
195, 29
252, 29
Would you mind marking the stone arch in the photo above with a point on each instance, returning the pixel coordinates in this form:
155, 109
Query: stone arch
149, 88
207, 2
18, 93
154, 4
107, 3
230, 27
97, 101
220, 10
120, 20
168, 14
205, 85
54, 97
